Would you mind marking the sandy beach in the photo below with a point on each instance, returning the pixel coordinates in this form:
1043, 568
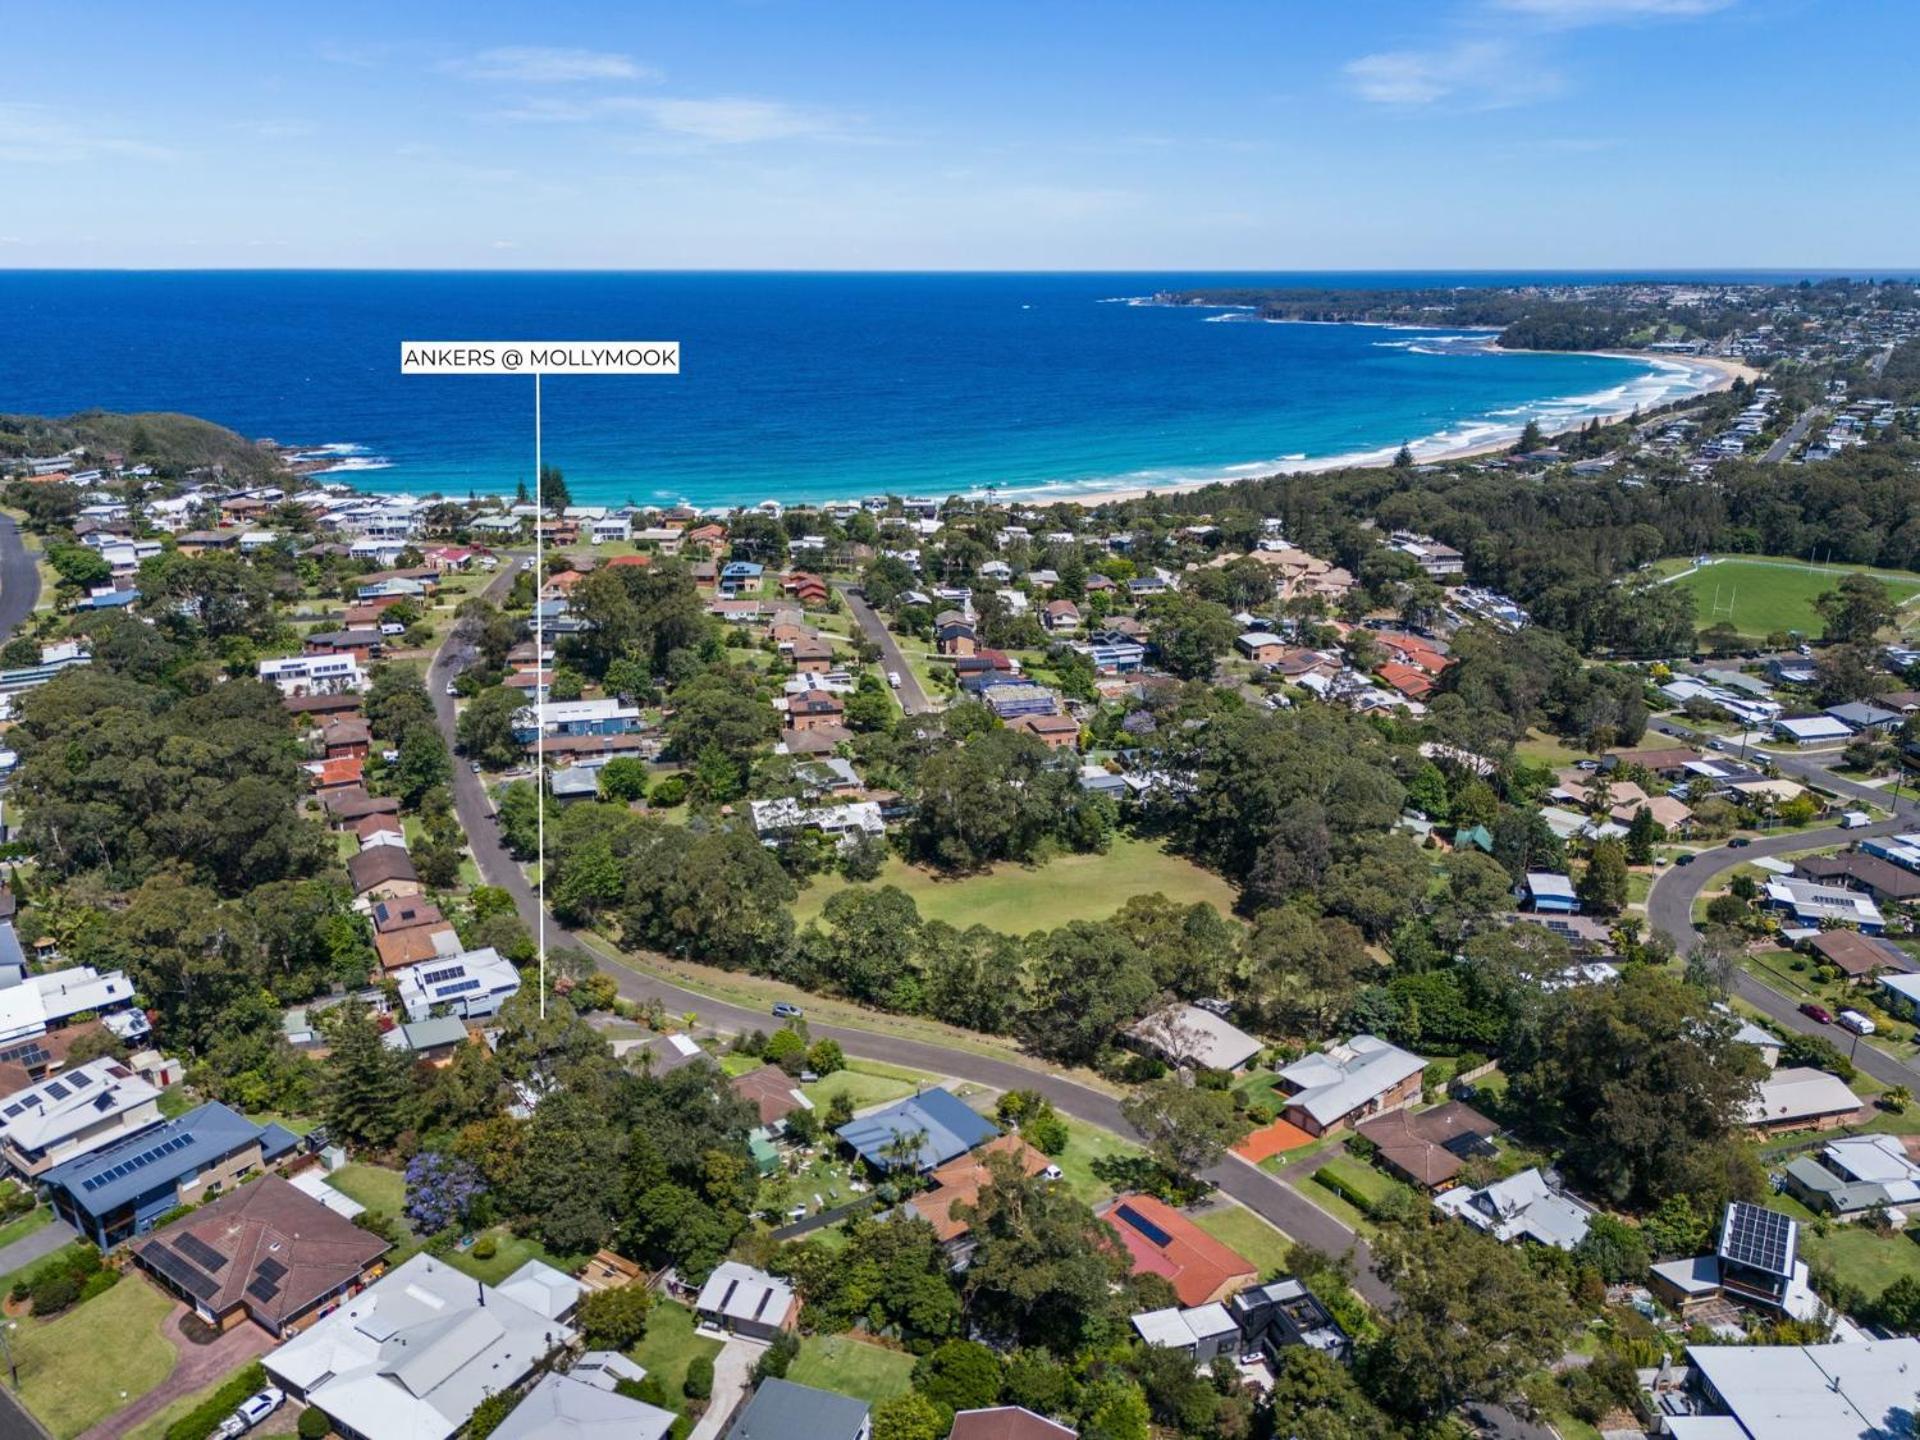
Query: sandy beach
1726, 371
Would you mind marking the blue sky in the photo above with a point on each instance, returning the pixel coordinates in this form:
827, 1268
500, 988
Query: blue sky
1269, 134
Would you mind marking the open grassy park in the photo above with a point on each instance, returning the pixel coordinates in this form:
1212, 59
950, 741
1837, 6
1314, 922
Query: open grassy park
851, 1367
1759, 595
1019, 898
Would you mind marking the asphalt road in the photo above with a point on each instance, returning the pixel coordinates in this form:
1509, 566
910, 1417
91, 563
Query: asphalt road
1795, 433
1259, 1191
913, 699
19, 578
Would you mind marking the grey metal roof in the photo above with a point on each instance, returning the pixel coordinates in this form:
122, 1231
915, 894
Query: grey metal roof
782, 1410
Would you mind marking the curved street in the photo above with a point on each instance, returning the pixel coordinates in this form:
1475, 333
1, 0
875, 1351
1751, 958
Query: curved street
1261, 1192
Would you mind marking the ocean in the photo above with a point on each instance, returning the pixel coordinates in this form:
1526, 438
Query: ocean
794, 386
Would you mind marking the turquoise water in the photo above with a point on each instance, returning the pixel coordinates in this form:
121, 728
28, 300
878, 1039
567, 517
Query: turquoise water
794, 386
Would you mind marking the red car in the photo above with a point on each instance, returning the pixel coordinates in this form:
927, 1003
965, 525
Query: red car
1817, 1012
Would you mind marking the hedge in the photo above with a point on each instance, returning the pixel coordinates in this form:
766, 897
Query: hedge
205, 1418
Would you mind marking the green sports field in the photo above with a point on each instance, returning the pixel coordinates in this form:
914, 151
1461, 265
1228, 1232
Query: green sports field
1758, 596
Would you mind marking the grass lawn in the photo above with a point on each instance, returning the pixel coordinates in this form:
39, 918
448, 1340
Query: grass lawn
1086, 1144
868, 1082
670, 1345
175, 1100
513, 1251
1019, 899
851, 1367
298, 1124
1860, 1257
24, 1226
1768, 594
62, 1378
374, 1186
1238, 1227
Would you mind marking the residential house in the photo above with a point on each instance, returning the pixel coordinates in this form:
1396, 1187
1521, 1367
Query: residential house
956, 638
745, 1301
1428, 1148
1203, 1333
1060, 617
1284, 1313
266, 1252
383, 872
782, 1410
1261, 646
1887, 883
1056, 732
814, 710
1007, 1422
1189, 1036
1159, 1240
327, 674
919, 1133
72, 1114
1755, 1262
1547, 893
1815, 905
415, 1353
1345, 1084
50, 1000
121, 1190
1812, 730
1521, 1207
772, 1092
1800, 1098
1860, 957
1839, 1391
470, 985
429, 1042
569, 1407
1855, 1176
959, 1182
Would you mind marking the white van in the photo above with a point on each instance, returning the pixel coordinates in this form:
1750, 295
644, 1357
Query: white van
1856, 1022
1855, 820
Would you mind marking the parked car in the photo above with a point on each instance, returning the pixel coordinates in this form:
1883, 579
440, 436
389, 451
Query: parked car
1685, 857
1819, 1014
784, 1010
893, 678
1856, 1022
258, 1406
1739, 842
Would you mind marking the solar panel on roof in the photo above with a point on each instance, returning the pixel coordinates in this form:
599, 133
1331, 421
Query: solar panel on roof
79, 1080
196, 1283
262, 1291
57, 1090
1145, 1226
270, 1269
1758, 1237
201, 1253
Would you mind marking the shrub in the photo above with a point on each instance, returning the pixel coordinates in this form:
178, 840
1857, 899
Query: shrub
314, 1424
98, 1283
777, 1357
54, 1293
670, 792
204, 1418
699, 1382
485, 1248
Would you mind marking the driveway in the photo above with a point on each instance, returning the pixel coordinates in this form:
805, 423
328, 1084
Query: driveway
732, 1374
199, 1367
37, 1246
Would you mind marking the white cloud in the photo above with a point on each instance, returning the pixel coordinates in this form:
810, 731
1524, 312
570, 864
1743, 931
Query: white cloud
729, 120
1600, 12
1484, 74
40, 135
546, 65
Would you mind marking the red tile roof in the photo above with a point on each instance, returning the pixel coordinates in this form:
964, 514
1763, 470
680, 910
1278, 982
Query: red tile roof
1162, 1241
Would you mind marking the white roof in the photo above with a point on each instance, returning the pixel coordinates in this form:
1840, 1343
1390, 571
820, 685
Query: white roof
1332, 1084
538, 1286
1186, 1034
1520, 1206
1815, 727
41, 1000
1907, 985
563, 1408
1805, 898
1880, 1159
410, 1357
1861, 1391
1175, 1329
1799, 1093
1546, 882
741, 1292
56, 1110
